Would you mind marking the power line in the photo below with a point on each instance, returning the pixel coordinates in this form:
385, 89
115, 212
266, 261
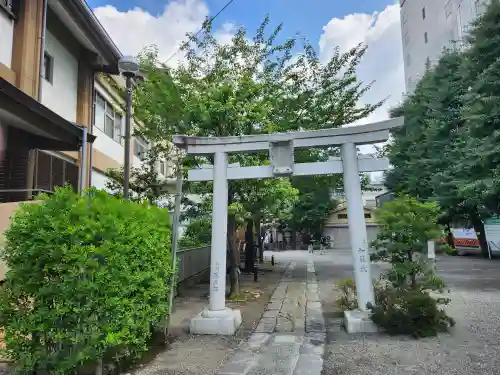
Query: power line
200, 30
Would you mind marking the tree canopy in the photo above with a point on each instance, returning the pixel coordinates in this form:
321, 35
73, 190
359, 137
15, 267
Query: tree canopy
448, 148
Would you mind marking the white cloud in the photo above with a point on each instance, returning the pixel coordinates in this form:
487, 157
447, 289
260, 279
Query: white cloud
382, 62
135, 29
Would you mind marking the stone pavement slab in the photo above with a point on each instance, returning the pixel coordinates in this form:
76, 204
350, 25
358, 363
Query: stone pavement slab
290, 337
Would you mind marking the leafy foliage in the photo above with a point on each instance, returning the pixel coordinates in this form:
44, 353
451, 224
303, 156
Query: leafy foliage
347, 294
87, 279
403, 304
448, 148
251, 85
198, 233
405, 226
145, 182
410, 312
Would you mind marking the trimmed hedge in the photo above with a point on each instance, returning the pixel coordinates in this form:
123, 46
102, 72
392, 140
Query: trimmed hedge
88, 280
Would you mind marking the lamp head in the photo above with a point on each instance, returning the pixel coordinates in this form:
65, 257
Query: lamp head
128, 66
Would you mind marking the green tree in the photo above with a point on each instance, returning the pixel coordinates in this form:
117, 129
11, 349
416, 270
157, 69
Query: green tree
248, 86
403, 304
145, 182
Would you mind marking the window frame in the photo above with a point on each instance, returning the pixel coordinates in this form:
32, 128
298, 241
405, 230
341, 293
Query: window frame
10, 7
48, 73
423, 13
109, 113
144, 145
426, 37
448, 8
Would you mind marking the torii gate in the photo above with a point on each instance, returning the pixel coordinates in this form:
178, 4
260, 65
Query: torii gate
217, 319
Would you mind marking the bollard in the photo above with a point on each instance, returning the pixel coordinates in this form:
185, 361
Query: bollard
255, 273
272, 260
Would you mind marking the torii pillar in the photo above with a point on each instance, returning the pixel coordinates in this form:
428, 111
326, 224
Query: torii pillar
217, 318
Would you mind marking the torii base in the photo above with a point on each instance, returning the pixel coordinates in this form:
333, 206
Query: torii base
358, 321
223, 322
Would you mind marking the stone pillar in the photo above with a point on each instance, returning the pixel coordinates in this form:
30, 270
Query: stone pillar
219, 234
217, 319
357, 225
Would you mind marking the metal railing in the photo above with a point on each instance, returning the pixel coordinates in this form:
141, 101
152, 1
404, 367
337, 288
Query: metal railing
192, 262
20, 195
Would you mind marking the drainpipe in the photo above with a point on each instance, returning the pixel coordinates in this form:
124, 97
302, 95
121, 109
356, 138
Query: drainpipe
92, 87
84, 159
42, 49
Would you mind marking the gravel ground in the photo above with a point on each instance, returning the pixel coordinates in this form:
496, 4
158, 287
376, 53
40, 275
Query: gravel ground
203, 355
471, 348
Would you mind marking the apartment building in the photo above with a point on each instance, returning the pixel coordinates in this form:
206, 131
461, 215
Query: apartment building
56, 58
109, 128
429, 26
50, 51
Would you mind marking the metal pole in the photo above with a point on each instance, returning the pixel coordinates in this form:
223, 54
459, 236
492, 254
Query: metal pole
175, 238
83, 163
128, 116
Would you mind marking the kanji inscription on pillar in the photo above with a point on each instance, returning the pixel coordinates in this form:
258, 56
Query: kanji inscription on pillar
216, 274
363, 260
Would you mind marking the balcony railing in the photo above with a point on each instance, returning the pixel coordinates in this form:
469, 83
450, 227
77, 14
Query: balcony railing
20, 195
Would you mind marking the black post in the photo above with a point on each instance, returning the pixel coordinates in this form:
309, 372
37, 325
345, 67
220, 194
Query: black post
128, 117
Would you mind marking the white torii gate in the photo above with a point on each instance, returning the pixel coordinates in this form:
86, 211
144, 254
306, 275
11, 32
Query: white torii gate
217, 319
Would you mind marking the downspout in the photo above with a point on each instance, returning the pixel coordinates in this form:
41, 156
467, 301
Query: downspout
92, 87
42, 49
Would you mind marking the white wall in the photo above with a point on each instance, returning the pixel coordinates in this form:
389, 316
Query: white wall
61, 95
6, 39
98, 179
441, 30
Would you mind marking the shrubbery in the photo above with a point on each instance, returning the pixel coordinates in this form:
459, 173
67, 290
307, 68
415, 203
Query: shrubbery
403, 303
197, 234
88, 280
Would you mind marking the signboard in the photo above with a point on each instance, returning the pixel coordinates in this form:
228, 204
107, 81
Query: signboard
492, 231
465, 238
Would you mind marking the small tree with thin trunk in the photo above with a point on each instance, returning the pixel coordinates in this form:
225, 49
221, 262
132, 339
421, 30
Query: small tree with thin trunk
403, 304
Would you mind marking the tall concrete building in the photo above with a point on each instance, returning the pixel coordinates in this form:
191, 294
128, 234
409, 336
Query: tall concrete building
429, 26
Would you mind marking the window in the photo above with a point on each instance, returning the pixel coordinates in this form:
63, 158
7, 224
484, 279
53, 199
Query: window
11, 7
140, 147
163, 167
408, 59
344, 216
426, 39
448, 8
480, 6
107, 119
406, 37
427, 63
48, 67
51, 171
423, 13
409, 84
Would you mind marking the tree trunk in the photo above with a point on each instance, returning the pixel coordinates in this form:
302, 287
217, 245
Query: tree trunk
481, 235
260, 240
413, 277
249, 249
234, 258
449, 236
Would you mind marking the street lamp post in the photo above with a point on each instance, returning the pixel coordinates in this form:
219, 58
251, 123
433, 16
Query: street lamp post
129, 68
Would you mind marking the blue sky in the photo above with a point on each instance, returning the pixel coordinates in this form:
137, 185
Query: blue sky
304, 16
327, 24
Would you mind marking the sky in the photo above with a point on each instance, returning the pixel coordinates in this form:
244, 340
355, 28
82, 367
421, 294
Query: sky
327, 24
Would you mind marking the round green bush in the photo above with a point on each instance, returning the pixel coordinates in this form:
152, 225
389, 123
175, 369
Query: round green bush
88, 279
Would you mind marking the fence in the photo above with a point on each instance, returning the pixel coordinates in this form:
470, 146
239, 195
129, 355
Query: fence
193, 262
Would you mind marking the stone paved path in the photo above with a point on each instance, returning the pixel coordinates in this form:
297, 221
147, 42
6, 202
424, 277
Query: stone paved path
290, 337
